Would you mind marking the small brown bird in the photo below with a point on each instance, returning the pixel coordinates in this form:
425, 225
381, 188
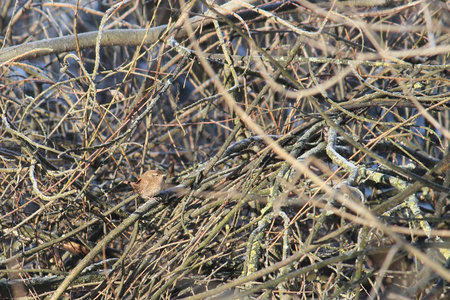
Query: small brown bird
150, 184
